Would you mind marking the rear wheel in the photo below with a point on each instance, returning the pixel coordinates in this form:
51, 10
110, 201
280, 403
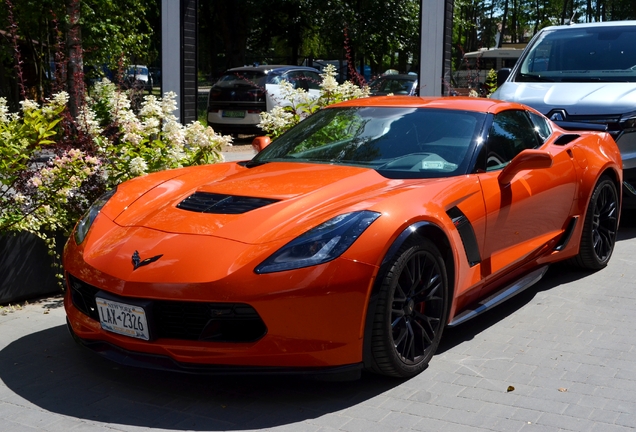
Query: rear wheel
600, 226
411, 311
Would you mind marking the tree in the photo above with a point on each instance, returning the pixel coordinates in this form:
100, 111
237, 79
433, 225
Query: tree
93, 33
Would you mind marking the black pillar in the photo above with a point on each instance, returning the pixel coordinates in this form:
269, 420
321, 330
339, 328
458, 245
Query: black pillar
189, 60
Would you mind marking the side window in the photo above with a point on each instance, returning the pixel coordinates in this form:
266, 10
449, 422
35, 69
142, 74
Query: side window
313, 80
511, 133
296, 79
541, 126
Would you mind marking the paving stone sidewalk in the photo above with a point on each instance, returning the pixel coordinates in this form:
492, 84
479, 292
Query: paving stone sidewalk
560, 356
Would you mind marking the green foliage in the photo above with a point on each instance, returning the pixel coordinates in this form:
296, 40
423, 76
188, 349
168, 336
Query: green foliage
114, 143
491, 81
339, 127
288, 31
115, 30
22, 139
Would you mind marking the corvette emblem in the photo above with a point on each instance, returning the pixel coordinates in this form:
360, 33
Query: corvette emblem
137, 262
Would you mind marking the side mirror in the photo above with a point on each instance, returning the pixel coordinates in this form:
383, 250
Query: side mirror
526, 160
260, 142
502, 76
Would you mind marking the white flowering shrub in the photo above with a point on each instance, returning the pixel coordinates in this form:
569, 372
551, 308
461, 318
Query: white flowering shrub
299, 104
52, 167
148, 141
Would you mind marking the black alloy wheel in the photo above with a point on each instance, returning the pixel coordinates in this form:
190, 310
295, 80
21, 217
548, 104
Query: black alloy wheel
601, 224
411, 311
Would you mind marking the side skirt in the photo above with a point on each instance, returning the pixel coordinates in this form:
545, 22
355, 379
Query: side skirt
499, 296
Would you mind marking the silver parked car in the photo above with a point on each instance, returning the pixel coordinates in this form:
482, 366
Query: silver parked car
582, 73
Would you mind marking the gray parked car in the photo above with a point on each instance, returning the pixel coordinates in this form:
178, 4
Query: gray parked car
582, 73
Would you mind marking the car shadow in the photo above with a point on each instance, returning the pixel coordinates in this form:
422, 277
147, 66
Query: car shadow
557, 274
627, 227
49, 370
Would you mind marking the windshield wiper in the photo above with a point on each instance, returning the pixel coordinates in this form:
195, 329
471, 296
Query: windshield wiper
580, 79
254, 163
536, 78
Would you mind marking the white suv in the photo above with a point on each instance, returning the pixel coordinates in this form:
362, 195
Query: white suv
582, 73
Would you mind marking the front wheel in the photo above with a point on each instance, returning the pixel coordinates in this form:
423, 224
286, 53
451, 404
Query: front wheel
600, 226
411, 311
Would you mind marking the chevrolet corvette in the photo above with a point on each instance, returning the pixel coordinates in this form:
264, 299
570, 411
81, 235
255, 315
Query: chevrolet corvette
349, 243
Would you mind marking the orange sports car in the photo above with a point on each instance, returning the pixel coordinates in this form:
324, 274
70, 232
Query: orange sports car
348, 243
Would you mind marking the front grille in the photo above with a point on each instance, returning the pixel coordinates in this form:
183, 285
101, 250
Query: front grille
612, 122
212, 322
83, 296
204, 202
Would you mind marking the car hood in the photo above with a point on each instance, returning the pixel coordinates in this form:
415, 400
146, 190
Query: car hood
575, 98
286, 199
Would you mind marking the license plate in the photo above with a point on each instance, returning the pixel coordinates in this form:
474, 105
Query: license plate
122, 318
234, 114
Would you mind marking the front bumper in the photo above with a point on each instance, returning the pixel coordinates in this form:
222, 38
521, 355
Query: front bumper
225, 125
314, 318
626, 141
164, 363
629, 188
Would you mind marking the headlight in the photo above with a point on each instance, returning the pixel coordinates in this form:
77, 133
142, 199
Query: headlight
86, 221
628, 121
321, 244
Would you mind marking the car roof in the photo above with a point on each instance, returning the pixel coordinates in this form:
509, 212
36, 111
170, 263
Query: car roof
594, 25
484, 105
266, 69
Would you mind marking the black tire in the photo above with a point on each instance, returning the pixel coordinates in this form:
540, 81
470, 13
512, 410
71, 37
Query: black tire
600, 226
411, 311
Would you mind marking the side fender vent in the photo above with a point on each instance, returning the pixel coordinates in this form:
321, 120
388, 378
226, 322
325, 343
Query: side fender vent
204, 202
567, 234
566, 139
467, 234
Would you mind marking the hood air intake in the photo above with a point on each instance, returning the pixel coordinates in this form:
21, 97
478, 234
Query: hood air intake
204, 202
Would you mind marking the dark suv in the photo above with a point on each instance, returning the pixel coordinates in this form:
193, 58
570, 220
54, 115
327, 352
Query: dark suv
241, 94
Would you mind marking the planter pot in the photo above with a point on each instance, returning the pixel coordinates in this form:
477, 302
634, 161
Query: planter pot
25, 267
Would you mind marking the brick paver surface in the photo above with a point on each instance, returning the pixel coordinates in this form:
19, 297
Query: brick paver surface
567, 346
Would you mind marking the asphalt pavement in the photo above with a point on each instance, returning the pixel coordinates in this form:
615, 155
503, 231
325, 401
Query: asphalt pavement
559, 357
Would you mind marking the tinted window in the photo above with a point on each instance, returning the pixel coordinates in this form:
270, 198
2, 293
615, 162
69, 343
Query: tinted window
313, 80
511, 133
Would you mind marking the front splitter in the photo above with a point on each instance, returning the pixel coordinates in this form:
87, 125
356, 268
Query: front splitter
163, 363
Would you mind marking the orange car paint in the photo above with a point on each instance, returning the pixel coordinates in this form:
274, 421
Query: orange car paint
315, 316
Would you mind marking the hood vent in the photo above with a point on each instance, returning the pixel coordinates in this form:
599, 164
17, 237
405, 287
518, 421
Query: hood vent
203, 202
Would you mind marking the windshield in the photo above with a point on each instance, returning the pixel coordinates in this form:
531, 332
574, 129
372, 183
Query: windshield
605, 54
138, 70
397, 142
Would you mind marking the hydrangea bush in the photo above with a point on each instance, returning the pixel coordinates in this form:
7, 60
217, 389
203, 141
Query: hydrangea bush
298, 104
52, 167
